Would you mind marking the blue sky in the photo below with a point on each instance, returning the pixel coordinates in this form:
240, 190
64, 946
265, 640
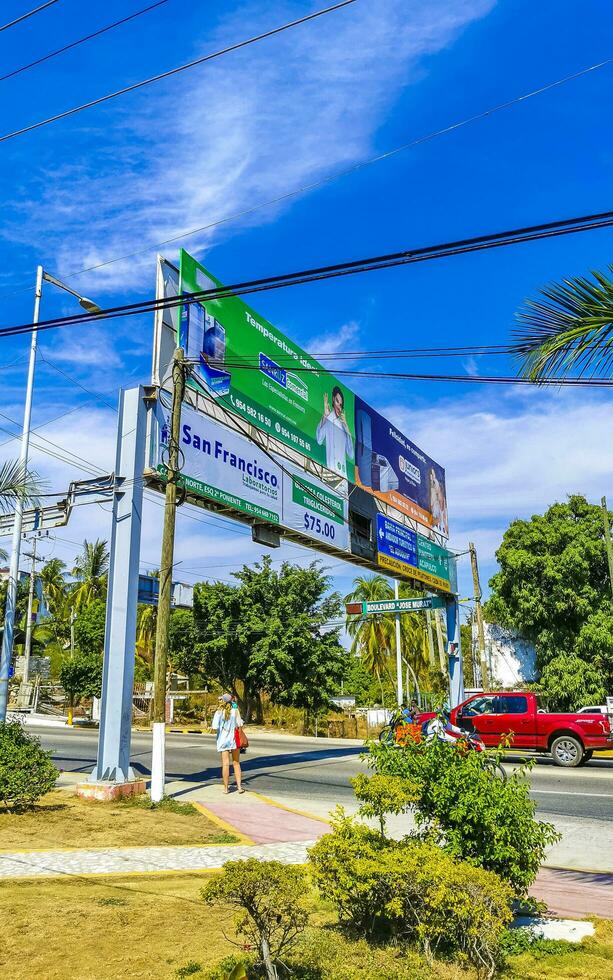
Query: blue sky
270, 119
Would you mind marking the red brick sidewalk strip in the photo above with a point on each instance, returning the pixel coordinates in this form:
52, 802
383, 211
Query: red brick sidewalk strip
575, 894
265, 823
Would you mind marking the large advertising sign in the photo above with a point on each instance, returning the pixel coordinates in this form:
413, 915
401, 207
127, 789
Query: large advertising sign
257, 372
222, 465
393, 468
400, 549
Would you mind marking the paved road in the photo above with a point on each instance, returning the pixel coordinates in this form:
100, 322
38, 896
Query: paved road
293, 767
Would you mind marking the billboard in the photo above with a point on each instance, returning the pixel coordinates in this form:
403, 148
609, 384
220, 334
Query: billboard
257, 372
400, 549
222, 465
395, 470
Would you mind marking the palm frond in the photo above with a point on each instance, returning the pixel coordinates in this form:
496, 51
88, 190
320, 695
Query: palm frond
17, 483
568, 331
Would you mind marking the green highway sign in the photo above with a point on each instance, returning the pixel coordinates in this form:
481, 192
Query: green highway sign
393, 606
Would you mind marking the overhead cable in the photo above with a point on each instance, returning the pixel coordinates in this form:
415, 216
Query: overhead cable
81, 40
30, 13
338, 174
173, 71
551, 229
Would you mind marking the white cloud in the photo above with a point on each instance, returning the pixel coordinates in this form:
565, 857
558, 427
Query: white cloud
333, 342
236, 132
90, 347
510, 454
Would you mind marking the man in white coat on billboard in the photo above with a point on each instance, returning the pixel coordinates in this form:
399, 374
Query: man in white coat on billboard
334, 432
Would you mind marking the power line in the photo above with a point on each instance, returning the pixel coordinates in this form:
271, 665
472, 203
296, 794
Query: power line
25, 16
77, 384
173, 71
81, 40
337, 175
515, 236
468, 379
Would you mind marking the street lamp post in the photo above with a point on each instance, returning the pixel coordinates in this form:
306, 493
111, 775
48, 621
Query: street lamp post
11, 594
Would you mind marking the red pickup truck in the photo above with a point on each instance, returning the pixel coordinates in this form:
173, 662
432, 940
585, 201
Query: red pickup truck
571, 737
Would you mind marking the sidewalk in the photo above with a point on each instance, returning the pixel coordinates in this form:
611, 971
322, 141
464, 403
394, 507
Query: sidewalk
269, 830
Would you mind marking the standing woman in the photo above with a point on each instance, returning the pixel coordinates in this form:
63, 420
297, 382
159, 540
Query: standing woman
225, 722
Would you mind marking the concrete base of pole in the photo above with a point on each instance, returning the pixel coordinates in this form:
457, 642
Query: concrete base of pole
158, 761
105, 792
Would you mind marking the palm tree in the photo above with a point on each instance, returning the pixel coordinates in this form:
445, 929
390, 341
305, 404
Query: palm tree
57, 598
145, 632
90, 570
569, 330
372, 636
16, 483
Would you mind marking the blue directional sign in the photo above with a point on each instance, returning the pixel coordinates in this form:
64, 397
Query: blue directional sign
396, 541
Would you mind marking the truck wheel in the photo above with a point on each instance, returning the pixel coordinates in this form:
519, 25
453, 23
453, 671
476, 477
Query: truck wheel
567, 751
587, 755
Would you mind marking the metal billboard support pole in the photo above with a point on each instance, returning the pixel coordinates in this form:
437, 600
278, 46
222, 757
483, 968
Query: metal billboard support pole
454, 651
398, 651
113, 761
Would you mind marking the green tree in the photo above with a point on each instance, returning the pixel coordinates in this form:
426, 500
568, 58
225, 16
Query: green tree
81, 677
146, 623
271, 897
568, 329
553, 585
17, 483
56, 596
89, 628
184, 651
474, 816
90, 571
568, 683
372, 636
269, 634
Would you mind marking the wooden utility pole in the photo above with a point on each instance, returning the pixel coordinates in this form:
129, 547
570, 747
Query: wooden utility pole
479, 617
165, 589
431, 657
442, 656
607, 538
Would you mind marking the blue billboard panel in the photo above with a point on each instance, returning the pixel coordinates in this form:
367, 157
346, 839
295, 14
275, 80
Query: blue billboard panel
394, 469
396, 541
403, 551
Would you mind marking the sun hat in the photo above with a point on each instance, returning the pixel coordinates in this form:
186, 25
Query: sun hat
226, 698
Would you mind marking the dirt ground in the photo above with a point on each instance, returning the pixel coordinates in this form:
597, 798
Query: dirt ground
62, 820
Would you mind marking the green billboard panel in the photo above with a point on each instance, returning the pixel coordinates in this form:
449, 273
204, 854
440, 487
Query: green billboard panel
432, 558
255, 371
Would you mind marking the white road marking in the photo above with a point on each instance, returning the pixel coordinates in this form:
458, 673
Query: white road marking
560, 792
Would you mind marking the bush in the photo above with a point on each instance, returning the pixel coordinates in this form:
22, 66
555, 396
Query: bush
463, 807
271, 895
412, 891
379, 795
26, 770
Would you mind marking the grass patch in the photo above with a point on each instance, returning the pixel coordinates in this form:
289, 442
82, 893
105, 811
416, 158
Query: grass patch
167, 805
62, 820
157, 928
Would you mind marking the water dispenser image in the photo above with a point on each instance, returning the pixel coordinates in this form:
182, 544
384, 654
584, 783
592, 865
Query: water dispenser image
375, 471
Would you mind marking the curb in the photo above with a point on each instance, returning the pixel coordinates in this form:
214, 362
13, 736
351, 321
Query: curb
288, 809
